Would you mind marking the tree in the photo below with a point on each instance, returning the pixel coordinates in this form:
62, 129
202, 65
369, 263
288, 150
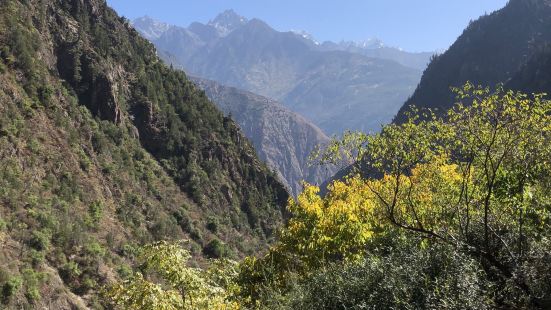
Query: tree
180, 287
477, 179
333, 228
472, 188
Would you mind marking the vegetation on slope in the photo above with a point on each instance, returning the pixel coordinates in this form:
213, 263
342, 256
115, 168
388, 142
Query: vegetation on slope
103, 149
535, 76
282, 138
460, 219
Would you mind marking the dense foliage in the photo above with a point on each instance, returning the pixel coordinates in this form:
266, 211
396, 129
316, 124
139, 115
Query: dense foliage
457, 216
183, 288
459, 219
101, 145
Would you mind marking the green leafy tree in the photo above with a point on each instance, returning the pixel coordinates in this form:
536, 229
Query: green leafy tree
178, 286
475, 182
477, 179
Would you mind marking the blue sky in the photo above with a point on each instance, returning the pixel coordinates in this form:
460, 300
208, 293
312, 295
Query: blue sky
414, 25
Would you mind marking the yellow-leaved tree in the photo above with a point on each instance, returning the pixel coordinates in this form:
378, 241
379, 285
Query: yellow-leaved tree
334, 227
477, 179
325, 229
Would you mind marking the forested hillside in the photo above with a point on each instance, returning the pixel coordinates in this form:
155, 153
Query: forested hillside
103, 149
448, 210
122, 186
491, 50
535, 75
457, 217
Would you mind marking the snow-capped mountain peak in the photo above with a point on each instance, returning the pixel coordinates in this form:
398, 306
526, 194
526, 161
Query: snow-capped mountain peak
372, 43
306, 35
227, 21
150, 28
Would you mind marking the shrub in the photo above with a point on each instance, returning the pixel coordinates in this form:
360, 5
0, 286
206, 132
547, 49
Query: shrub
10, 288
39, 240
216, 249
37, 257
212, 224
184, 287
32, 280
437, 278
164, 226
70, 271
95, 250
95, 212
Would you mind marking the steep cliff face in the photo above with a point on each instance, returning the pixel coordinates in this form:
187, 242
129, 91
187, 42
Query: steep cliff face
282, 138
104, 148
491, 50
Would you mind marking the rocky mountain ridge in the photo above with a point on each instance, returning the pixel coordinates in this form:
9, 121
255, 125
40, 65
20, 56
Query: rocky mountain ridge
295, 70
104, 148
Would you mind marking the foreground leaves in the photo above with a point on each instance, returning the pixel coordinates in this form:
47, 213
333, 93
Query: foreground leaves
475, 183
179, 286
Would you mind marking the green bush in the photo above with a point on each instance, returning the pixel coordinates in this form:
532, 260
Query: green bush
32, 280
40, 240
95, 211
3, 225
212, 224
70, 271
94, 250
37, 257
164, 227
215, 249
437, 278
124, 272
10, 288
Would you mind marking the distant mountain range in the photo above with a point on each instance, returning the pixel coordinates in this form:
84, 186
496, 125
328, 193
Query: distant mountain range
338, 86
282, 138
509, 46
377, 49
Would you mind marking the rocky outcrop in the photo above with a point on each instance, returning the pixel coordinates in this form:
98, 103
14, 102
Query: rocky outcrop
98, 83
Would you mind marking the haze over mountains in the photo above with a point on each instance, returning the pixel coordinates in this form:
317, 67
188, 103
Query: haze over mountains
377, 49
335, 86
338, 86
